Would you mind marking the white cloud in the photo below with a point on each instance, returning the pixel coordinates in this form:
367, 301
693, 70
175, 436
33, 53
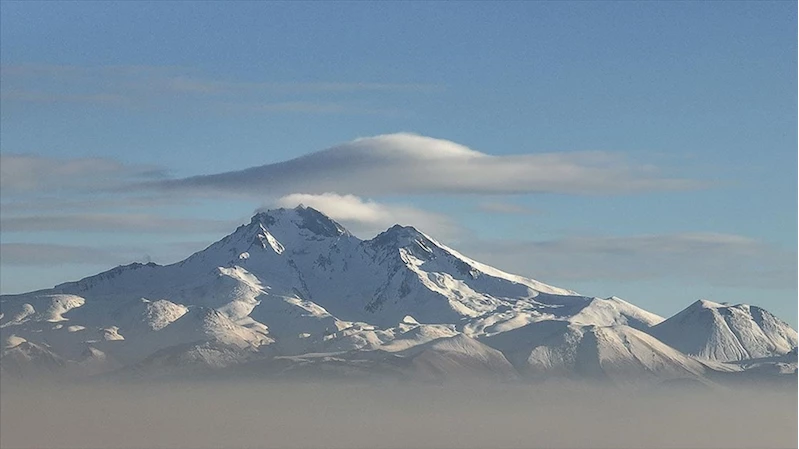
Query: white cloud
717, 259
164, 86
43, 194
88, 203
114, 222
367, 218
21, 173
412, 164
39, 254
311, 107
38, 96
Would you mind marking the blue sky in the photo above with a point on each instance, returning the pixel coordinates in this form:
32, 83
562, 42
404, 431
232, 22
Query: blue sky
664, 134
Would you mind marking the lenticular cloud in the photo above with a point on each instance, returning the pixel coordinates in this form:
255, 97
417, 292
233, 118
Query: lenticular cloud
412, 164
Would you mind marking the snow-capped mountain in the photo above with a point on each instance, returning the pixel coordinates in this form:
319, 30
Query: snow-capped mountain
617, 353
725, 333
294, 290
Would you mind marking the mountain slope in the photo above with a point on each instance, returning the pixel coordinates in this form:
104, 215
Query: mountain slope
620, 354
726, 333
296, 288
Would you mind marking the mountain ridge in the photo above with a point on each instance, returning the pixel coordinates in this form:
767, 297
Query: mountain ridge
293, 282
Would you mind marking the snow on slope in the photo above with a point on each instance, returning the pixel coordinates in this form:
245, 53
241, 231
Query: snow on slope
726, 333
50, 308
23, 359
183, 361
613, 310
620, 354
143, 315
293, 282
400, 272
197, 326
458, 358
444, 359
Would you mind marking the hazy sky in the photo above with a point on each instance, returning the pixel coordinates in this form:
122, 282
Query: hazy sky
645, 150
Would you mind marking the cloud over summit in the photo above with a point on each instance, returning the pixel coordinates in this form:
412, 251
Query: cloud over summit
367, 218
403, 163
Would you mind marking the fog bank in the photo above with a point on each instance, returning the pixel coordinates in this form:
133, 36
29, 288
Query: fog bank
320, 415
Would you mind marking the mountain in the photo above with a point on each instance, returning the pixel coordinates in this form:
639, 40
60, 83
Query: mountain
619, 354
726, 333
293, 291
21, 358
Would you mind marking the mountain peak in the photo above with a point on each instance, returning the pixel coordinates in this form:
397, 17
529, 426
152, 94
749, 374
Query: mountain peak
265, 218
398, 228
705, 304
302, 217
722, 332
319, 223
399, 235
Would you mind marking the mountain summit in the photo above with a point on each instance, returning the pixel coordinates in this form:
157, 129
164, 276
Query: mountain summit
294, 289
722, 332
